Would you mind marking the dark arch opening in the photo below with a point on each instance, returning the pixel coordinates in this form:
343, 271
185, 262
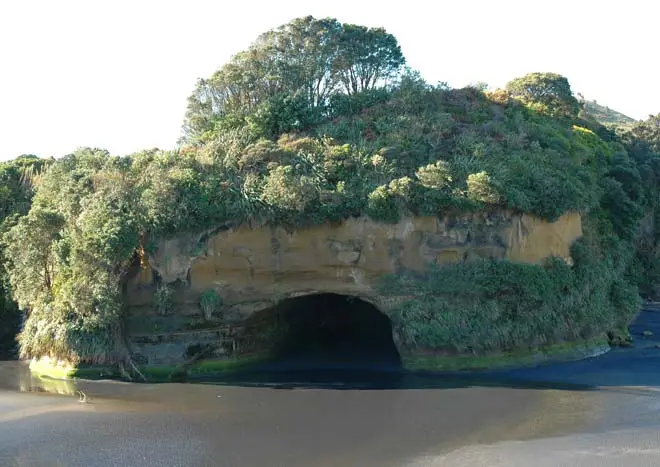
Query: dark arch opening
332, 331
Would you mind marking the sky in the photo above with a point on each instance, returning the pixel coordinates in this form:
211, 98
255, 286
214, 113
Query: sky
116, 75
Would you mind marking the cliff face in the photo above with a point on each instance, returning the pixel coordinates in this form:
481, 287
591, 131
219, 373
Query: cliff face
254, 268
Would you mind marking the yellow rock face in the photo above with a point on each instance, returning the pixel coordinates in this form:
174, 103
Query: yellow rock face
532, 240
253, 267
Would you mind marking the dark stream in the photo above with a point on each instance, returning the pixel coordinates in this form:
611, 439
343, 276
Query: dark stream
597, 412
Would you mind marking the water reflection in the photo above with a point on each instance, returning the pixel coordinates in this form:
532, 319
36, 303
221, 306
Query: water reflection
364, 379
18, 377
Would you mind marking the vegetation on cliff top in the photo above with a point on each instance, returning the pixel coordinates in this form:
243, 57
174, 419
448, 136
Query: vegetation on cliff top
606, 116
319, 121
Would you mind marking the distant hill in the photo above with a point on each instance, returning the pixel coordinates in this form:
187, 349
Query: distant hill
606, 116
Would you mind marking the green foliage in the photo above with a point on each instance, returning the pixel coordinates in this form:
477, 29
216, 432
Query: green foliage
287, 189
435, 176
10, 320
365, 57
480, 188
32, 249
65, 259
604, 115
282, 113
163, 300
547, 92
648, 132
289, 75
348, 105
387, 202
486, 306
210, 302
18, 179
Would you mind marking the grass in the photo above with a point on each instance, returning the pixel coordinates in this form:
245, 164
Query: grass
49, 369
210, 367
200, 369
559, 352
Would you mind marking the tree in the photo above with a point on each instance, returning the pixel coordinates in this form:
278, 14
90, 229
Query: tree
18, 179
549, 89
367, 56
30, 250
304, 53
295, 60
305, 61
648, 131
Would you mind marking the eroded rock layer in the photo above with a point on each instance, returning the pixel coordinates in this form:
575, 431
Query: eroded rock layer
251, 269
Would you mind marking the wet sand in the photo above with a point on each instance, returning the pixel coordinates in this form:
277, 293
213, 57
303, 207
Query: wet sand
605, 415
610, 449
206, 425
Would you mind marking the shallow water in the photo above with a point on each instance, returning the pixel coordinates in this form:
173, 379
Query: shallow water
305, 420
602, 411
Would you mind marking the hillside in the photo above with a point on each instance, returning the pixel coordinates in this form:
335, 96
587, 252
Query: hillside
606, 116
318, 122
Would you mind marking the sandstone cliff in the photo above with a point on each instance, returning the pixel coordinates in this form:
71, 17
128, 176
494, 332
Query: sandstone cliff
250, 265
254, 268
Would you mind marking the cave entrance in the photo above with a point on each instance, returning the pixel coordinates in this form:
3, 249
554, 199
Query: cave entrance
331, 330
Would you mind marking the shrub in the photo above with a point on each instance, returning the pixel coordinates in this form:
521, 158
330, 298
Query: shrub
491, 305
210, 303
163, 300
10, 322
480, 188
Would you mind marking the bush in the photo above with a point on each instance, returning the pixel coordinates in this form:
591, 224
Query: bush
491, 305
210, 303
10, 322
163, 300
481, 189
342, 105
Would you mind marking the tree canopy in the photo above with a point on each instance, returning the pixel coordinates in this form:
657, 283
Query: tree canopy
649, 131
294, 69
18, 180
549, 89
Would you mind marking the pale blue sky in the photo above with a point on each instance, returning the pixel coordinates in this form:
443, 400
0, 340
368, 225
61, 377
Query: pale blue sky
116, 74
